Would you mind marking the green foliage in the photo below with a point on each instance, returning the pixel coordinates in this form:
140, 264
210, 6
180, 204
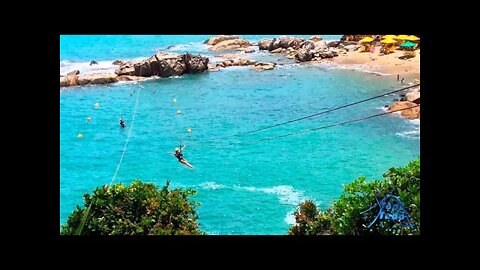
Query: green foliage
138, 209
350, 215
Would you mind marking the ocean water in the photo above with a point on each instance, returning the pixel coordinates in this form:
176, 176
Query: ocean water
243, 188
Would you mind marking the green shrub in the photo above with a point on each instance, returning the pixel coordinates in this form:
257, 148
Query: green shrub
138, 209
350, 215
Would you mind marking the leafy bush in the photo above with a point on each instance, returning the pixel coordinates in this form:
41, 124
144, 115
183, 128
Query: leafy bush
358, 207
138, 209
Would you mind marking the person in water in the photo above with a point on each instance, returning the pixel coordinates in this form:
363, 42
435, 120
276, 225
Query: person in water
122, 123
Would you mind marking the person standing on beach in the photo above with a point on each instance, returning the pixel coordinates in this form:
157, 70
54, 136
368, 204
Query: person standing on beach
403, 79
398, 77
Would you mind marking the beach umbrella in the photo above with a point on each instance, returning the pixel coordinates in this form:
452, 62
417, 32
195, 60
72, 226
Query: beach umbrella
366, 39
388, 41
389, 36
402, 37
412, 38
408, 44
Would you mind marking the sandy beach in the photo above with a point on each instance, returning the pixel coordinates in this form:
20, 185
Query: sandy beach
389, 64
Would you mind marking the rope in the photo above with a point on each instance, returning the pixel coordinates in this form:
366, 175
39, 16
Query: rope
128, 138
310, 116
324, 127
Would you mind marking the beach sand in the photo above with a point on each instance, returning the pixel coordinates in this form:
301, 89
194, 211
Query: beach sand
391, 64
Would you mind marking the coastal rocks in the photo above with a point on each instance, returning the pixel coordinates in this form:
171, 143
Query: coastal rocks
327, 54
117, 62
93, 63
277, 50
75, 72
235, 62
230, 44
229, 56
315, 38
264, 66
412, 113
285, 42
215, 40
245, 50
333, 44
195, 64
304, 55
97, 78
264, 44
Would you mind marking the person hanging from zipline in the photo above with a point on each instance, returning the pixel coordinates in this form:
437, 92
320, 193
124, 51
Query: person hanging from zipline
179, 155
122, 123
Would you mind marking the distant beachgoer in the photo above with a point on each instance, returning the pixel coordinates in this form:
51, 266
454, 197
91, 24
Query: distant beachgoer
403, 79
398, 77
122, 123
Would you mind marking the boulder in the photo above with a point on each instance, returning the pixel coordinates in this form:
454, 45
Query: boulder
97, 78
129, 78
64, 81
304, 55
411, 96
171, 67
264, 44
195, 64
277, 50
118, 62
230, 44
308, 45
315, 38
217, 39
93, 63
352, 48
75, 72
264, 66
333, 44
328, 54
413, 113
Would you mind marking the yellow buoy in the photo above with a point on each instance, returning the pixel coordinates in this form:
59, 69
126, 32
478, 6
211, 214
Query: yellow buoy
174, 100
97, 105
189, 130
80, 135
89, 119
179, 112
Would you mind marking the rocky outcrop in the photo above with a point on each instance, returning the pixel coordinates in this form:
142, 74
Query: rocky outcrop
230, 44
307, 45
412, 113
75, 72
277, 50
215, 40
315, 38
97, 78
93, 63
161, 64
264, 66
118, 62
245, 50
327, 54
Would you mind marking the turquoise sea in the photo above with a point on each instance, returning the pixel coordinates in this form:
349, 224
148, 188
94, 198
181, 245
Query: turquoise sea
243, 188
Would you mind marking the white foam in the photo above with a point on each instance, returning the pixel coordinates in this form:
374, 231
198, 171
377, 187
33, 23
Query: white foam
286, 194
359, 67
290, 218
211, 185
67, 66
189, 47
